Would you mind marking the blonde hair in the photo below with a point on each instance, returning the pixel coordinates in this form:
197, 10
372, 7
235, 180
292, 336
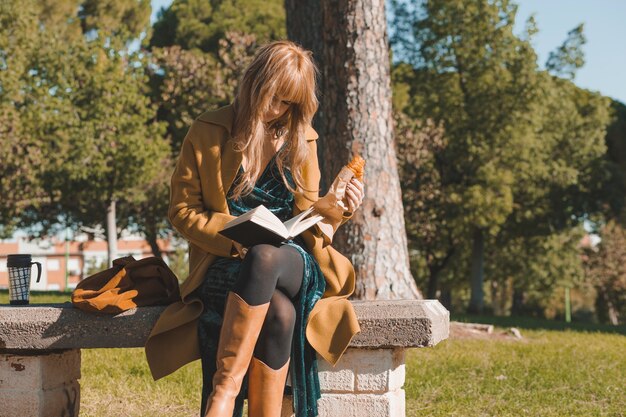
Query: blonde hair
285, 69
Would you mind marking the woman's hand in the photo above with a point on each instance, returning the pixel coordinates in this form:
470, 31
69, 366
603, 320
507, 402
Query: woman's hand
242, 250
354, 193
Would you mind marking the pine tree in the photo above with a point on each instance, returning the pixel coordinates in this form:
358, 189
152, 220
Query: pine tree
349, 42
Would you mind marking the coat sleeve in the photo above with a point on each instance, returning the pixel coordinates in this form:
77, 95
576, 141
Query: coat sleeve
187, 213
315, 166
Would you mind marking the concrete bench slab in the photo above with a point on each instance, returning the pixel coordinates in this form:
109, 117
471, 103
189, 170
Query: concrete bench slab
369, 379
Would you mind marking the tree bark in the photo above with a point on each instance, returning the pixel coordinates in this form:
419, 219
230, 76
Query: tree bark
304, 24
151, 238
517, 305
607, 312
446, 298
433, 283
349, 42
435, 266
111, 233
477, 274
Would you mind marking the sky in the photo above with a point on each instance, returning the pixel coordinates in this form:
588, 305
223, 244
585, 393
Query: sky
604, 27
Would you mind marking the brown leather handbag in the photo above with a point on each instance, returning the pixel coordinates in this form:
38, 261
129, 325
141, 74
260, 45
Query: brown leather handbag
127, 284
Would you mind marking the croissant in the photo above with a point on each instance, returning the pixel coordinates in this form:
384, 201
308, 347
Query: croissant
332, 207
357, 166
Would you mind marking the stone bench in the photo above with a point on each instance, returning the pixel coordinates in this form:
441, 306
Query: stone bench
40, 355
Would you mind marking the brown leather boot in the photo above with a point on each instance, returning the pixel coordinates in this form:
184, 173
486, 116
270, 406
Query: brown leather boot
265, 389
238, 336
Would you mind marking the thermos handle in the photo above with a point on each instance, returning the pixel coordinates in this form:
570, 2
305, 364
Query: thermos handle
38, 270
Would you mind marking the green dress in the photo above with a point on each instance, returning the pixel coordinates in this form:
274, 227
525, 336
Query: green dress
220, 278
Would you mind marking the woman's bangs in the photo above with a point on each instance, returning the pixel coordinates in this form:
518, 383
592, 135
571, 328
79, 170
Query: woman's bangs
294, 88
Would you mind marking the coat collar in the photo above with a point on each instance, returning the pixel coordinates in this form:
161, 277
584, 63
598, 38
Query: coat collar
231, 158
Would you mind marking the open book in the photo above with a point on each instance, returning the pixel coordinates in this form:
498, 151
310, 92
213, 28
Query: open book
260, 225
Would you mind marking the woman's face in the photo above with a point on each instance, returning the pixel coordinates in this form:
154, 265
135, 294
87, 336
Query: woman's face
278, 107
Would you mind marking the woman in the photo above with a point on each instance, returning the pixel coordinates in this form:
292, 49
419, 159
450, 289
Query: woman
256, 301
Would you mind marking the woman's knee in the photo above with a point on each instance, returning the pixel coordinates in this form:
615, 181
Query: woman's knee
260, 264
262, 256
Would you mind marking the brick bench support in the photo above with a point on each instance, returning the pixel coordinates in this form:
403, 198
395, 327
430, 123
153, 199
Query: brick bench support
40, 355
40, 384
366, 382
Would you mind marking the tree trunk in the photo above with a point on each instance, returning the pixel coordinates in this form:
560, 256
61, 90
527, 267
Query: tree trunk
435, 266
613, 314
517, 306
151, 238
433, 278
495, 298
111, 233
349, 42
304, 24
477, 277
499, 298
606, 310
445, 298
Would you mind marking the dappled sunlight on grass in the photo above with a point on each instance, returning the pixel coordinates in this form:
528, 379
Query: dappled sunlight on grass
548, 373
118, 382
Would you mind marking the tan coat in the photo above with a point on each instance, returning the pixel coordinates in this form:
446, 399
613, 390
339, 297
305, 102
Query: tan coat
205, 170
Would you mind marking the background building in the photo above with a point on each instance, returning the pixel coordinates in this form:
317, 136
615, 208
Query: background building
81, 258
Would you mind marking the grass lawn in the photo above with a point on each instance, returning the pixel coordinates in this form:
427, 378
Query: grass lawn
552, 371
548, 373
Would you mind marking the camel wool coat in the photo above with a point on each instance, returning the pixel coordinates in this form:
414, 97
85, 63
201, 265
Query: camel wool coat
204, 172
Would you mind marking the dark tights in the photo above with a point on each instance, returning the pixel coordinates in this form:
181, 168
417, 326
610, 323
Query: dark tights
274, 274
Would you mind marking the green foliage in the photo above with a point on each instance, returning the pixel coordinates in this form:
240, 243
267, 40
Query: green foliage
107, 147
96, 123
198, 52
83, 129
186, 83
564, 181
201, 24
569, 57
22, 160
121, 19
178, 260
524, 162
183, 84
615, 188
93, 266
536, 267
428, 203
479, 80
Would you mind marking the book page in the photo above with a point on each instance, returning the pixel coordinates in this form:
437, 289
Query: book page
302, 221
270, 224
262, 216
241, 219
